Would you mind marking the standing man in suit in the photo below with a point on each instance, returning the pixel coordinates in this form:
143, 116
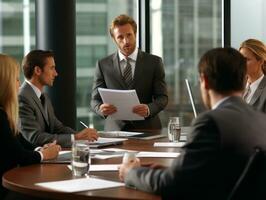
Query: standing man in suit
221, 140
38, 123
130, 68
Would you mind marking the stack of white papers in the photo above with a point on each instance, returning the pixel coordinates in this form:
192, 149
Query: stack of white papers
78, 185
169, 144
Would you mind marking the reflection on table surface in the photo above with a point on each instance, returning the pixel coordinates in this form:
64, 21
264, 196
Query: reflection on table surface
23, 179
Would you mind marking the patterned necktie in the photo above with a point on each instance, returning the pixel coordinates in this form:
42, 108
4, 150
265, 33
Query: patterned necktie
247, 92
127, 74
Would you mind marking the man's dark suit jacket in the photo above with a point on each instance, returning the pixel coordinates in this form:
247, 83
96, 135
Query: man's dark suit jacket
221, 142
258, 100
149, 83
12, 150
35, 125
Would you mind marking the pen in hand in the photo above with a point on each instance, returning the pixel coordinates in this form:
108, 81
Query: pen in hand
82, 123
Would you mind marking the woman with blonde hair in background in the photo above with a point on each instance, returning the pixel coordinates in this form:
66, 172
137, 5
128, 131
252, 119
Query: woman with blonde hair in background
14, 149
255, 53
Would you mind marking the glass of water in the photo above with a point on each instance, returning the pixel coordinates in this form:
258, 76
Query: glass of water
80, 158
174, 129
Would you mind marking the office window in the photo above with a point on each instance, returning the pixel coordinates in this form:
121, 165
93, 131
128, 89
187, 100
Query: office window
93, 42
17, 27
91, 23
181, 31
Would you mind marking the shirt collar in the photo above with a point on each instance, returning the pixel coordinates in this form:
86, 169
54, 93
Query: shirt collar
255, 84
37, 91
132, 56
219, 102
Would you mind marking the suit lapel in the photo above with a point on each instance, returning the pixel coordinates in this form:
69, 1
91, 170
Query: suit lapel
138, 69
258, 91
37, 101
117, 71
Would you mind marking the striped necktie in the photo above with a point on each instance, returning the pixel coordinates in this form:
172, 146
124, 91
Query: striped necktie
247, 92
127, 74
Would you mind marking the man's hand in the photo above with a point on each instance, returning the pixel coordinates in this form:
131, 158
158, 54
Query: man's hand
125, 167
50, 151
87, 134
107, 109
142, 110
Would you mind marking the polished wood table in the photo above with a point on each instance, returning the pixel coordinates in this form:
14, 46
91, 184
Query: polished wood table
23, 179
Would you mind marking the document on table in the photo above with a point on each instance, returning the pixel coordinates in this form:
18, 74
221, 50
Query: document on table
169, 144
123, 100
152, 154
102, 142
100, 168
78, 185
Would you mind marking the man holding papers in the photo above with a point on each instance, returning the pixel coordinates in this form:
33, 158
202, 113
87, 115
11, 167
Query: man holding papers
130, 68
221, 140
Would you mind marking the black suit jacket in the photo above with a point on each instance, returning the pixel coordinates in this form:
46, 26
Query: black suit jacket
12, 151
219, 146
149, 83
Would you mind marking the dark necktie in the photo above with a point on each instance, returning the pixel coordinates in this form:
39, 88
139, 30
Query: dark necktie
42, 98
127, 74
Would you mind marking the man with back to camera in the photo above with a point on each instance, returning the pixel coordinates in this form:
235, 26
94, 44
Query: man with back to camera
220, 142
38, 123
130, 68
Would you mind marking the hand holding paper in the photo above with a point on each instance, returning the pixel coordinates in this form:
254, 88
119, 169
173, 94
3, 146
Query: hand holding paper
124, 101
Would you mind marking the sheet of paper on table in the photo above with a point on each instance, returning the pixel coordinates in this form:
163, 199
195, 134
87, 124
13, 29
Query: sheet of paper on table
169, 144
81, 184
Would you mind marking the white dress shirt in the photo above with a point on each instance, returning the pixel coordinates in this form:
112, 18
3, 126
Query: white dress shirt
132, 61
253, 88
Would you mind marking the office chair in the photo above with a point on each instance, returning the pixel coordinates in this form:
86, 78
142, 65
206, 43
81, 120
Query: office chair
251, 184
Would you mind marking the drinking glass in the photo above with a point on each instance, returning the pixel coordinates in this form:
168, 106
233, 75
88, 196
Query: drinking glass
80, 158
174, 129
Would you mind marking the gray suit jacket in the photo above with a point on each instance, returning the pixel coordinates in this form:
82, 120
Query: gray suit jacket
149, 83
220, 144
258, 100
35, 125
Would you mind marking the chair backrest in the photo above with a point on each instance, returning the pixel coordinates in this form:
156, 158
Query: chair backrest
251, 184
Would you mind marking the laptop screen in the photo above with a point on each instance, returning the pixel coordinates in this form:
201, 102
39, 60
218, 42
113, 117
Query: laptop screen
191, 98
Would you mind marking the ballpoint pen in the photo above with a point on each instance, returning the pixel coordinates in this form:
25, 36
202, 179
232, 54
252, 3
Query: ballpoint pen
82, 123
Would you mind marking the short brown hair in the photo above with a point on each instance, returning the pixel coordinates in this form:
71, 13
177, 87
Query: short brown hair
35, 58
122, 20
225, 69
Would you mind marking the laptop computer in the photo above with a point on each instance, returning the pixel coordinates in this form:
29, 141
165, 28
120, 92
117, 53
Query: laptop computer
191, 98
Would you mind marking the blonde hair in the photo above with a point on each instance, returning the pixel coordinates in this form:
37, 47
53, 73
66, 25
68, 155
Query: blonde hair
258, 48
9, 68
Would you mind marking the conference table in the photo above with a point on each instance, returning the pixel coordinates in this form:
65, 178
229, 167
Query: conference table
23, 179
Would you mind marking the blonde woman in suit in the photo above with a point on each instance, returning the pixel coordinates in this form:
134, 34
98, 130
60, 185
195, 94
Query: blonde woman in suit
14, 149
255, 53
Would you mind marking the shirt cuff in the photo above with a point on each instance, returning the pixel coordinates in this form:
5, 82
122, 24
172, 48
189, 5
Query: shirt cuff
40, 154
72, 138
148, 112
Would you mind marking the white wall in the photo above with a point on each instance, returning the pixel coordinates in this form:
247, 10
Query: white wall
248, 20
